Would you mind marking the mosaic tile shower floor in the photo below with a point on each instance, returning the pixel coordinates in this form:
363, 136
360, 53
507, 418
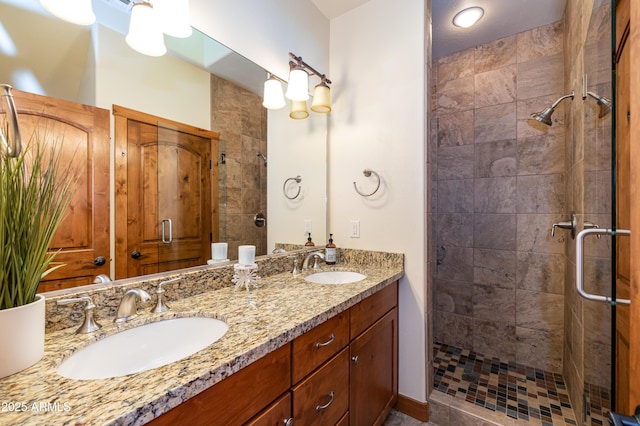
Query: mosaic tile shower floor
520, 392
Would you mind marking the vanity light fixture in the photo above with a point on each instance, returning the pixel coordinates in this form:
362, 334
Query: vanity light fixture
468, 17
321, 97
77, 12
272, 95
145, 30
299, 110
174, 15
298, 88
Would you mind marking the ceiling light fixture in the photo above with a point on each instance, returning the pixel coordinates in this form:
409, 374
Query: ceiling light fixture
77, 12
468, 17
145, 31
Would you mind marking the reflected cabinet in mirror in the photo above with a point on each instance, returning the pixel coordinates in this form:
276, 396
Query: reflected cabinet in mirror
200, 89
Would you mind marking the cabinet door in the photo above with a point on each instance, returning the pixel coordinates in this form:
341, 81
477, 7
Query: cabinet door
374, 372
277, 414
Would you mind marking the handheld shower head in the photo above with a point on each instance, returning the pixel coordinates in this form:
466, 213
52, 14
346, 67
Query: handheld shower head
544, 116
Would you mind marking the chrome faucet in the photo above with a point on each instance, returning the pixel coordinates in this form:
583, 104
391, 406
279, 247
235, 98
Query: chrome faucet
127, 309
316, 255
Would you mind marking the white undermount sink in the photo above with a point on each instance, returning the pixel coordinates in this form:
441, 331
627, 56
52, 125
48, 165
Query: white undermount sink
143, 348
335, 277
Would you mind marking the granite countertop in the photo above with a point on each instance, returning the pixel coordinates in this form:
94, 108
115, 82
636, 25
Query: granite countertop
284, 308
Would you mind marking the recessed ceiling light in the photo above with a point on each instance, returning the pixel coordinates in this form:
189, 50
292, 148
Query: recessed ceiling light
467, 17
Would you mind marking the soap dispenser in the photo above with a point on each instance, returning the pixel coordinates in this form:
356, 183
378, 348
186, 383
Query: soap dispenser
330, 252
309, 243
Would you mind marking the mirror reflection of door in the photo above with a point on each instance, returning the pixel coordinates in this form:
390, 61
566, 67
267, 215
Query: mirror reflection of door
165, 216
82, 133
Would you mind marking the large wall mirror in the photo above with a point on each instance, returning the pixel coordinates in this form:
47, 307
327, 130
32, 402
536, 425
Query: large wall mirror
200, 83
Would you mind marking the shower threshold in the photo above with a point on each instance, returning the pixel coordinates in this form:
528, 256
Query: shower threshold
507, 393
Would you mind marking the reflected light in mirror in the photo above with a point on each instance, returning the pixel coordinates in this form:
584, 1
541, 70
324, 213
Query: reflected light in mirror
145, 32
468, 17
174, 15
78, 12
272, 96
7, 46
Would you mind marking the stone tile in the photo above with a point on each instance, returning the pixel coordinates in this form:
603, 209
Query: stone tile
597, 365
455, 162
455, 95
495, 195
540, 194
495, 54
493, 303
541, 41
539, 311
455, 66
455, 229
541, 76
494, 159
541, 272
453, 329
540, 155
438, 412
454, 263
494, 231
455, 129
494, 338
540, 349
495, 87
458, 417
597, 192
528, 127
454, 297
597, 275
495, 123
534, 233
597, 322
455, 196
494, 267
597, 149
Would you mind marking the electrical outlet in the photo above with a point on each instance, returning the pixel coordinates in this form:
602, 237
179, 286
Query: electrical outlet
307, 227
355, 229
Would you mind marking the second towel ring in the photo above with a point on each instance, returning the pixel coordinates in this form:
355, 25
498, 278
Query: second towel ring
298, 179
367, 173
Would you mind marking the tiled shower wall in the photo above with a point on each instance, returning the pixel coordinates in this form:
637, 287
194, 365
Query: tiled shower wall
237, 114
500, 185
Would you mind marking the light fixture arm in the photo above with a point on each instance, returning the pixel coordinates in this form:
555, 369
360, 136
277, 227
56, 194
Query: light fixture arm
298, 61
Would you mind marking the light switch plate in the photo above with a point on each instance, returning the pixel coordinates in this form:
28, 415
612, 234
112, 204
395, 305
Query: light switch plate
355, 229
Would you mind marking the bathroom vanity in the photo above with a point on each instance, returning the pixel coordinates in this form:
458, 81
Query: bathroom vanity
315, 353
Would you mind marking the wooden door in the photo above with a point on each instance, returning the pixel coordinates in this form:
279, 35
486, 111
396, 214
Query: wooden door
165, 199
82, 132
627, 336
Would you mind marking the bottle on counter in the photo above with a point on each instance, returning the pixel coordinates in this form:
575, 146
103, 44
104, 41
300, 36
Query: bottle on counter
309, 243
330, 252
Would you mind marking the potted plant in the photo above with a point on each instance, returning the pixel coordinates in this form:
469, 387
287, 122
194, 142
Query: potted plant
34, 194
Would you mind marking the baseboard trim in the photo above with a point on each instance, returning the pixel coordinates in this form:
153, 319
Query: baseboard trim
416, 409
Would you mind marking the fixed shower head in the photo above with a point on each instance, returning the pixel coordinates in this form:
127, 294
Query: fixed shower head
544, 116
264, 158
603, 102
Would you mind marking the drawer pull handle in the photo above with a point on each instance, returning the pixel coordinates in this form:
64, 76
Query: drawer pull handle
328, 342
288, 422
325, 406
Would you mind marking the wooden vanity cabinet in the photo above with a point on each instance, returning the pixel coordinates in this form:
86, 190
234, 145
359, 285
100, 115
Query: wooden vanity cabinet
277, 414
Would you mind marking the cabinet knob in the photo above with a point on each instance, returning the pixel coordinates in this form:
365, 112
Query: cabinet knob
355, 359
288, 422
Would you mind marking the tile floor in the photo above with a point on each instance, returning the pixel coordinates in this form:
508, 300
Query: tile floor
520, 392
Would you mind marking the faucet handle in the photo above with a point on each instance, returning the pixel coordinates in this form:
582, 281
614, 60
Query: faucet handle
315, 261
296, 269
89, 325
161, 306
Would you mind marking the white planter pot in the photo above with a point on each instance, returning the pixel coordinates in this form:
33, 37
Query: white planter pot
22, 336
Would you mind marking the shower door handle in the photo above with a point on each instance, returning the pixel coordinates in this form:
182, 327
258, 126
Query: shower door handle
170, 239
580, 259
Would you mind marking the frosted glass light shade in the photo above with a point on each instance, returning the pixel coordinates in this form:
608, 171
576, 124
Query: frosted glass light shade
468, 17
145, 32
77, 12
175, 17
272, 96
298, 85
321, 98
299, 110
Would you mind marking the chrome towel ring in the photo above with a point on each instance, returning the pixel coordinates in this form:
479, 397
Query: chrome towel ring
298, 179
367, 173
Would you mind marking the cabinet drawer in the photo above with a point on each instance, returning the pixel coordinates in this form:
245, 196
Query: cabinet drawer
277, 414
323, 397
319, 344
344, 421
369, 310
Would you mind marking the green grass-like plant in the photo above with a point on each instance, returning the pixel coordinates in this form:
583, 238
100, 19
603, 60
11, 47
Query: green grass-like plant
35, 191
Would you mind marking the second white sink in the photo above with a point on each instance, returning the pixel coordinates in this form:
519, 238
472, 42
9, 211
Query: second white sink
143, 348
335, 277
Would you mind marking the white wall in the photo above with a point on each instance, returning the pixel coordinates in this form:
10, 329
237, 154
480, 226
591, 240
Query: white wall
377, 65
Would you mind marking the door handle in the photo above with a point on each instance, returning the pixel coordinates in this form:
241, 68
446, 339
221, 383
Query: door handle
135, 254
580, 259
99, 261
170, 239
